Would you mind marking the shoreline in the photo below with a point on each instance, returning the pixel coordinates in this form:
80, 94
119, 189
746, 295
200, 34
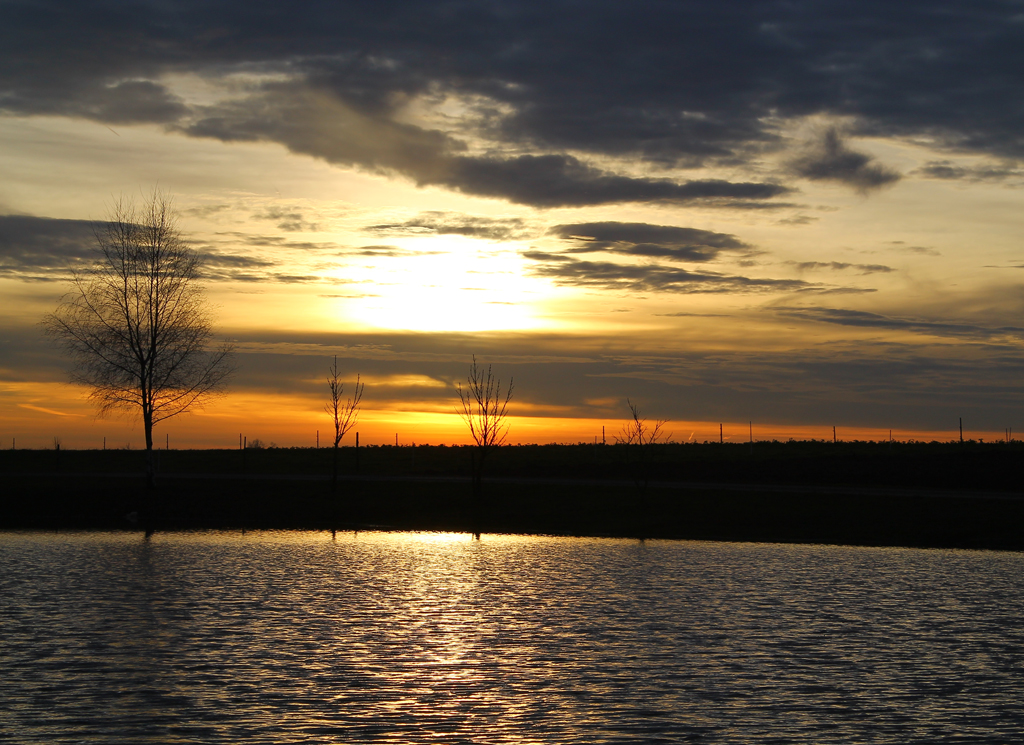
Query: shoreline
770, 513
925, 495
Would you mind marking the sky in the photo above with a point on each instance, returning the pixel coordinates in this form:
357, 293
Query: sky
777, 217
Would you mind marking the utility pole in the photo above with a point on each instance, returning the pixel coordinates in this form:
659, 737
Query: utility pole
961, 430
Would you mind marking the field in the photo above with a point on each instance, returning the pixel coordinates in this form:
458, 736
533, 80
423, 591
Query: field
899, 494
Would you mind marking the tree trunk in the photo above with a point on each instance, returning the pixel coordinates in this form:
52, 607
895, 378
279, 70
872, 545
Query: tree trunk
147, 424
478, 489
148, 508
334, 470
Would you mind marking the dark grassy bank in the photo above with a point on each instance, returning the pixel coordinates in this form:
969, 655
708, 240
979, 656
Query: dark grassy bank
971, 466
850, 493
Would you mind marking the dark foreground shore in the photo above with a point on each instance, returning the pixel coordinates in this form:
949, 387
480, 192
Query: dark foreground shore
940, 495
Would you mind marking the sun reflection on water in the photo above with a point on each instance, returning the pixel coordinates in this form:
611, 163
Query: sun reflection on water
436, 637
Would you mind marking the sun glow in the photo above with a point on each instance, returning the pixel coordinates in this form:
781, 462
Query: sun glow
443, 309
446, 285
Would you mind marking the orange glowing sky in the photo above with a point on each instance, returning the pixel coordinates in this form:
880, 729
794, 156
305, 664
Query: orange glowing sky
754, 250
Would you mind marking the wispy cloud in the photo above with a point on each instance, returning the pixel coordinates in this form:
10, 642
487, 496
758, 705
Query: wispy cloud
924, 250
565, 270
865, 319
947, 170
44, 248
454, 223
644, 239
291, 221
685, 87
840, 266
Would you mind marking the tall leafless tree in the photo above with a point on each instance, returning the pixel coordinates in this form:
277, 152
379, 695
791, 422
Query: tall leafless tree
638, 431
136, 323
639, 434
484, 410
344, 413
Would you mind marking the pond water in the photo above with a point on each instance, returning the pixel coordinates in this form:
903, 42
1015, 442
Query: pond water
288, 637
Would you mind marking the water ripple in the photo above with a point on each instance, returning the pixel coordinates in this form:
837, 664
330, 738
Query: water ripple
410, 638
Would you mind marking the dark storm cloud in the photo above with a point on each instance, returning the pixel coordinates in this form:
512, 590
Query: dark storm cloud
124, 102
864, 319
831, 160
661, 84
314, 123
565, 181
42, 247
319, 122
565, 270
644, 239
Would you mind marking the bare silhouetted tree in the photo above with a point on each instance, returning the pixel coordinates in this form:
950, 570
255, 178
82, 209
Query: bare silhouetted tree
484, 410
136, 323
639, 434
637, 430
343, 412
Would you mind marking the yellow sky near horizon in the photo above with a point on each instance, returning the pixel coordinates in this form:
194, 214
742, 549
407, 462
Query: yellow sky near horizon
339, 259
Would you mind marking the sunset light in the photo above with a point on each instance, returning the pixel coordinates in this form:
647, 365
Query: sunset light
773, 246
450, 371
